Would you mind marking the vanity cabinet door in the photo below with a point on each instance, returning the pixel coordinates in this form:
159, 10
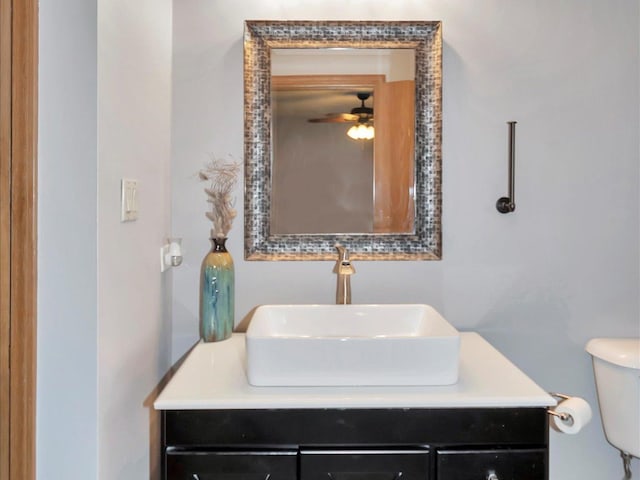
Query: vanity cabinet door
364, 464
491, 465
207, 465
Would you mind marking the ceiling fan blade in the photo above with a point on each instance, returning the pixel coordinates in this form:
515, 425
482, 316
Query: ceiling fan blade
335, 118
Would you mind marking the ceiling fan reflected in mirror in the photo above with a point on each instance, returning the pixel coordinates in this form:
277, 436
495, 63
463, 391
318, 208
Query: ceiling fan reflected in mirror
362, 116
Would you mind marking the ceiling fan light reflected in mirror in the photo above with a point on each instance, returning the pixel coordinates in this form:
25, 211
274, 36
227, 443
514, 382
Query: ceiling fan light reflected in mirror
361, 131
362, 115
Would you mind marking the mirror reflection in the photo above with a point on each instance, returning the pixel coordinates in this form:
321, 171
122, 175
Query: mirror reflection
342, 133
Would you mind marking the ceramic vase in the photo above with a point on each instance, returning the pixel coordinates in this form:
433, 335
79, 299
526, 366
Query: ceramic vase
217, 293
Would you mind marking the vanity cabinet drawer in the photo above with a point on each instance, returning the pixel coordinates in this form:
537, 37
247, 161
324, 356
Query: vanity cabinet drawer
231, 465
491, 464
374, 464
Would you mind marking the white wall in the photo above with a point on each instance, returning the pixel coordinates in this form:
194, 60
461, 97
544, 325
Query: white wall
537, 283
104, 314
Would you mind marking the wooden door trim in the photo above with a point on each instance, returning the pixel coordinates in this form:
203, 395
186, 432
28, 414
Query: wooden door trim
328, 82
5, 232
21, 165
24, 237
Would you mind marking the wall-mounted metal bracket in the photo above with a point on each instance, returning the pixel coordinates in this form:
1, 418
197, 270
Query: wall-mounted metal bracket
508, 204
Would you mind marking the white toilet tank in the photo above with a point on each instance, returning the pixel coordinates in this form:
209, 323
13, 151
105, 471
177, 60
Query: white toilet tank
616, 365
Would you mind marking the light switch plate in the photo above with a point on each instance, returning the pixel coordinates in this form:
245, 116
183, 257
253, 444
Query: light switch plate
129, 200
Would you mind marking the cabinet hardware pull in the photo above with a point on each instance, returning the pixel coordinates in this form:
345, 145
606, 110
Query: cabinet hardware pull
396, 477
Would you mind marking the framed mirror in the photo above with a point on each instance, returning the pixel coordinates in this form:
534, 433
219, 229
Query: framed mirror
342, 139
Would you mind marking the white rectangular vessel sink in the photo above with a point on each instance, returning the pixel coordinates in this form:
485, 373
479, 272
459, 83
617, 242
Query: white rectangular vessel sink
341, 345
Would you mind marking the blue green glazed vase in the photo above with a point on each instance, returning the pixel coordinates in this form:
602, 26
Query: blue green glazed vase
217, 293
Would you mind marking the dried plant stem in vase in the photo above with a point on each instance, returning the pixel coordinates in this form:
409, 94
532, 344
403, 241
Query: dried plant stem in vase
217, 277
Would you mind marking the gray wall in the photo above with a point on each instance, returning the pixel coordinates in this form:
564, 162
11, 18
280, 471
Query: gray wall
537, 283
322, 181
66, 426
134, 138
103, 306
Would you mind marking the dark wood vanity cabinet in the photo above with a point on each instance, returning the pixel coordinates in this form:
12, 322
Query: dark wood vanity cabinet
356, 444
371, 464
501, 463
231, 465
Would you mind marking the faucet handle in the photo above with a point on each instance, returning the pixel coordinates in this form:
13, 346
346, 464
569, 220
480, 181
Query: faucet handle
343, 265
343, 253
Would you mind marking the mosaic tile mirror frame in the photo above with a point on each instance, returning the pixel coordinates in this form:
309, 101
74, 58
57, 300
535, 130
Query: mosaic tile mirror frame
260, 37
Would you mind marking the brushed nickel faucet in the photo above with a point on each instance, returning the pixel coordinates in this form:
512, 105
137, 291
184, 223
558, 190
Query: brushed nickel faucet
344, 270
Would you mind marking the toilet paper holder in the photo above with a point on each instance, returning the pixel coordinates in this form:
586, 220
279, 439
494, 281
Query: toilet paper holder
565, 417
570, 415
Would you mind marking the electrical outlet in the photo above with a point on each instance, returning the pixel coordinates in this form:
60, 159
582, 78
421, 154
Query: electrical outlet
164, 253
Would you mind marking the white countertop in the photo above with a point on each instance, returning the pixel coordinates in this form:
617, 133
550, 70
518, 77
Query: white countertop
213, 376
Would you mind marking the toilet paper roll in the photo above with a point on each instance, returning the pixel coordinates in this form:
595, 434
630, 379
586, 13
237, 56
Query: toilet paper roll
580, 415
